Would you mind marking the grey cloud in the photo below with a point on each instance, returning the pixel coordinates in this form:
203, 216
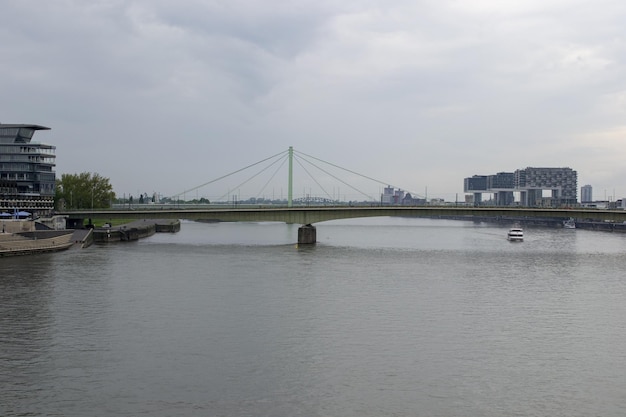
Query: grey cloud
198, 87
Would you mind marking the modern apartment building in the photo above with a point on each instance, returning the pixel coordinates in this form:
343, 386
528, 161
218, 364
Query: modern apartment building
27, 177
530, 183
477, 185
561, 182
501, 185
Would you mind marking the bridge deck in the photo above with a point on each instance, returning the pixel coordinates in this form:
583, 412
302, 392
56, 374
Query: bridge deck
310, 215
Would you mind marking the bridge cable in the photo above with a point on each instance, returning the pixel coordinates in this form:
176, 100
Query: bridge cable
312, 177
353, 172
285, 159
253, 176
227, 175
338, 179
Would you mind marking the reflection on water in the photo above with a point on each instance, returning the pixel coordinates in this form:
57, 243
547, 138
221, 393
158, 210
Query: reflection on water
25, 327
381, 317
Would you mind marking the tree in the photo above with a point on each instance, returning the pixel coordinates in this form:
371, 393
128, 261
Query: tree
84, 191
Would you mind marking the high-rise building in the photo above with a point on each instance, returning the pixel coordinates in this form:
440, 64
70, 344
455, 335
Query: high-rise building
27, 177
586, 194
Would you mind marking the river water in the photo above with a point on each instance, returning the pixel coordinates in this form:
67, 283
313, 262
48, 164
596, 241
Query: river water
383, 317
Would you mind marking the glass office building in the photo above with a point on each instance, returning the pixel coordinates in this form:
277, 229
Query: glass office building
27, 177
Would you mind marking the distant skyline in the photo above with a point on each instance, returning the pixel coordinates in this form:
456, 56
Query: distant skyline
163, 96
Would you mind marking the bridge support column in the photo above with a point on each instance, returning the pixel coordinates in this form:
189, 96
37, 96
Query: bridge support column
307, 235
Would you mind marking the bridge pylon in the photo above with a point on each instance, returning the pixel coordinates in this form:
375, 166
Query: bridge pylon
290, 179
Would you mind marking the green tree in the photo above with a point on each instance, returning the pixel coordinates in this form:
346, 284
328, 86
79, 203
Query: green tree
84, 191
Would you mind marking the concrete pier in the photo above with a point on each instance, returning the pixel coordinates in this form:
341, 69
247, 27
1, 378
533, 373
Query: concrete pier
307, 235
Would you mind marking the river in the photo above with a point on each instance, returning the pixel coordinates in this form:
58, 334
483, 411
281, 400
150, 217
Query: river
382, 317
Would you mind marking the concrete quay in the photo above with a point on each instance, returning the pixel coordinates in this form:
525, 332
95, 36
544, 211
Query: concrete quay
32, 242
602, 226
136, 230
23, 238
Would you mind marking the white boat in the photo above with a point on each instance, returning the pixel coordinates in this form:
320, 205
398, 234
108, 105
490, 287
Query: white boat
569, 224
515, 234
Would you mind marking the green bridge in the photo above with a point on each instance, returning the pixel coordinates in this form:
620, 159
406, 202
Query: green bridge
307, 216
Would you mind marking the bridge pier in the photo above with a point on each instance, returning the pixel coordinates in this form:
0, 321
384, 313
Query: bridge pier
307, 235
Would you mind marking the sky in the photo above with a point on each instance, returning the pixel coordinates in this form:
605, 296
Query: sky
162, 96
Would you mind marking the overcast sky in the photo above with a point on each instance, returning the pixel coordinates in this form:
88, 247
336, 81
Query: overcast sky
162, 96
